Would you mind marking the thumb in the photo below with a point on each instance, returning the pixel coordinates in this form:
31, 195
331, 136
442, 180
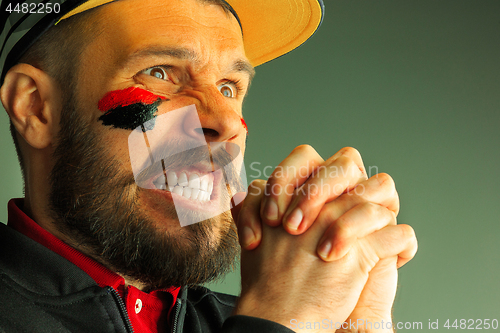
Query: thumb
236, 204
248, 222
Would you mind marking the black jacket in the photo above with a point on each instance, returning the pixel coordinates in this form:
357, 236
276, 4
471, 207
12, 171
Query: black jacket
43, 292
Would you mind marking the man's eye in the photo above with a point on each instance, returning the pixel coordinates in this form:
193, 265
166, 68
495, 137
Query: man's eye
157, 72
228, 90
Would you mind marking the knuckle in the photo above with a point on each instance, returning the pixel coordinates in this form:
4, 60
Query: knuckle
350, 151
312, 192
393, 217
353, 167
304, 149
388, 188
328, 217
273, 179
256, 187
397, 204
343, 228
386, 180
372, 209
407, 232
282, 177
276, 186
257, 183
348, 167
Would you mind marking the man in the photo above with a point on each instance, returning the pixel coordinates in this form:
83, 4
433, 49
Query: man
127, 117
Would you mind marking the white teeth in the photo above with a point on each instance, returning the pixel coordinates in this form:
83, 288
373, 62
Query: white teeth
187, 192
194, 188
171, 179
178, 190
183, 180
194, 181
210, 188
194, 193
159, 183
204, 184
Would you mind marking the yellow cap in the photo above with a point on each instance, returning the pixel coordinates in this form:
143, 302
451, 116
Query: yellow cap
271, 28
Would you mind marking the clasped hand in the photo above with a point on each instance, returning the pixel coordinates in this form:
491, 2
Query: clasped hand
320, 242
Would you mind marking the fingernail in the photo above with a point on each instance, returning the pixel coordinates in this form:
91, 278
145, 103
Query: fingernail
294, 219
248, 236
271, 210
324, 249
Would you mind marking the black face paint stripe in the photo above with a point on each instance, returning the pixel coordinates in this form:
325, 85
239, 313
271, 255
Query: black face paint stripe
132, 116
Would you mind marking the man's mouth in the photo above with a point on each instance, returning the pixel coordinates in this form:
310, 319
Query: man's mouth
190, 185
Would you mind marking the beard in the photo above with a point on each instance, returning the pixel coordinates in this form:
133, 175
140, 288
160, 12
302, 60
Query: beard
96, 205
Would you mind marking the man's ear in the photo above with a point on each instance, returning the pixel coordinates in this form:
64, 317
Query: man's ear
33, 101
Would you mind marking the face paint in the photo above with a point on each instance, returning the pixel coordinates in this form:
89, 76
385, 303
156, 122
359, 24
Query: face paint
244, 124
129, 108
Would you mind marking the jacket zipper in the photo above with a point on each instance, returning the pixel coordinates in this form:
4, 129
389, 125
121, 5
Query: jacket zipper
177, 312
123, 309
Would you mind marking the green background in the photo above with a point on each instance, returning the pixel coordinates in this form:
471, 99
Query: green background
415, 87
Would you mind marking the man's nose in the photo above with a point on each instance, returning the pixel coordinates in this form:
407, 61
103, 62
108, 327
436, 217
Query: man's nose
218, 120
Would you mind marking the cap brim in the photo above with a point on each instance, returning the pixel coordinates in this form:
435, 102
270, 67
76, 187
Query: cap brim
271, 28
274, 28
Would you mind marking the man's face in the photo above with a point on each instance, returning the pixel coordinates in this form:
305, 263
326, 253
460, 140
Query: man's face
185, 53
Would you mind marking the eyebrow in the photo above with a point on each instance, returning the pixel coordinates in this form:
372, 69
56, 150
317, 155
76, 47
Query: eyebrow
181, 53
244, 66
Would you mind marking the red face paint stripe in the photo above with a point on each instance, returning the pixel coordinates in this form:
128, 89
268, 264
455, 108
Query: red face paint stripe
127, 97
244, 124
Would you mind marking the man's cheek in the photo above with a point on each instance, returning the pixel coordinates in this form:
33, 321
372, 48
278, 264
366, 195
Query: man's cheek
129, 108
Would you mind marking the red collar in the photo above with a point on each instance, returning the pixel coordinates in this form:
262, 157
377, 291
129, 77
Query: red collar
147, 311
